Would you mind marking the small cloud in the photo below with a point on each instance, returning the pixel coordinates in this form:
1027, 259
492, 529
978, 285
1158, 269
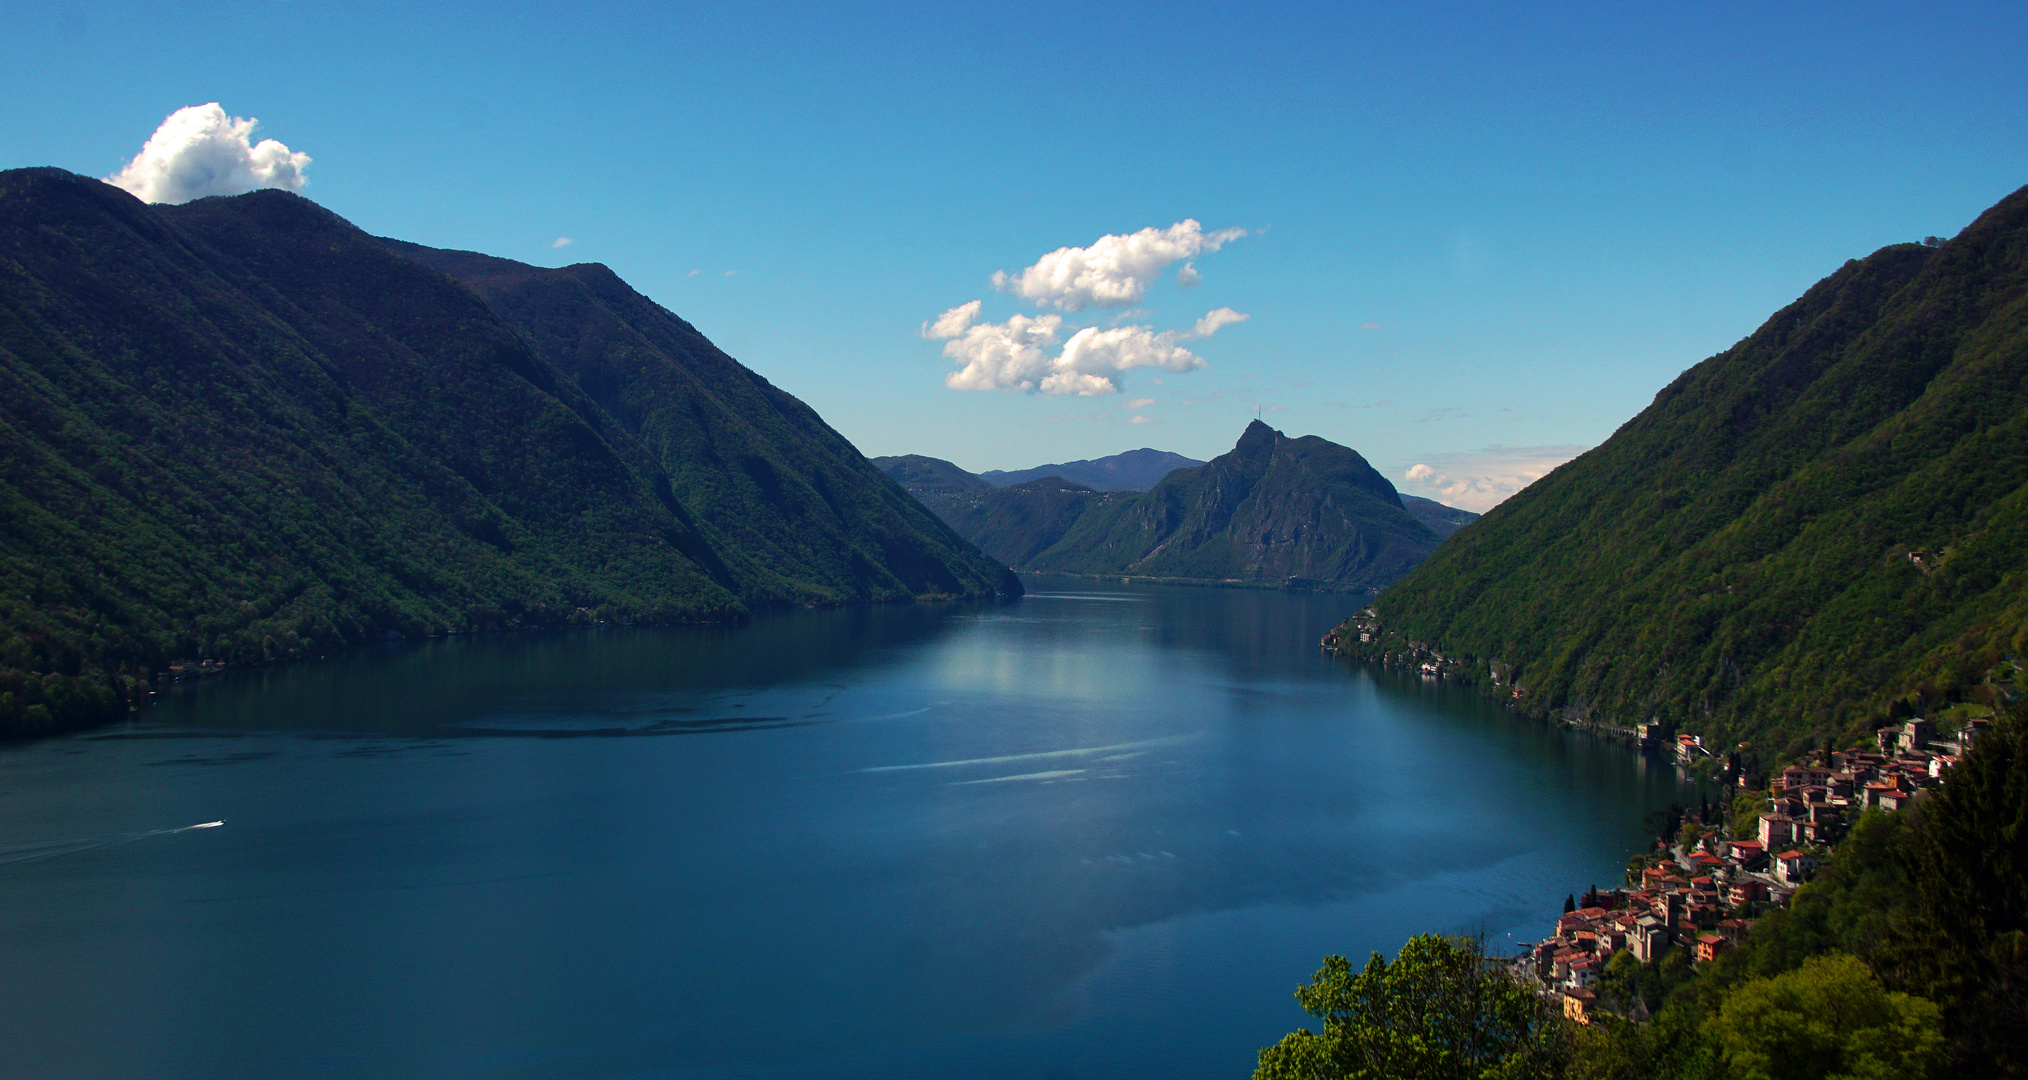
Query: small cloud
1448, 412
1116, 270
1479, 480
1212, 320
1140, 403
1143, 418
729, 273
200, 151
1188, 276
1369, 326
561, 242
694, 273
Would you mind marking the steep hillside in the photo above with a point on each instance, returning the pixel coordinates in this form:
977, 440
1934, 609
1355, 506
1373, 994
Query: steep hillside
1134, 470
1272, 509
798, 514
935, 483
1442, 520
1017, 523
1822, 525
242, 430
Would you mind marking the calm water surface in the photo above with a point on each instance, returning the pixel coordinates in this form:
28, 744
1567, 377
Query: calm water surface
1103, 831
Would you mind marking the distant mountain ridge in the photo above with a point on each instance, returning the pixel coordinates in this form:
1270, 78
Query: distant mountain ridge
1272, 510
1819, 529
1134, 470
1442, 520
240, 429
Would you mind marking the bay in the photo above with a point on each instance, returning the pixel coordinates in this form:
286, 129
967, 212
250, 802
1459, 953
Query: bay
1102, 831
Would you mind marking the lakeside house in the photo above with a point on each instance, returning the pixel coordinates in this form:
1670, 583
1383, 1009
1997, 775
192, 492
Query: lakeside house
1704, 900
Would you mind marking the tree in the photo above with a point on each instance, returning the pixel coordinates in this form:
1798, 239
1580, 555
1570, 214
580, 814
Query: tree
1827, 1020
1442, 1010
1967, 942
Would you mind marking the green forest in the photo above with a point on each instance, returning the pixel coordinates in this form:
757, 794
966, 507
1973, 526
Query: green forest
240, 430
1816, 531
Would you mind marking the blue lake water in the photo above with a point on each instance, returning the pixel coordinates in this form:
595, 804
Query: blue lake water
1103, 831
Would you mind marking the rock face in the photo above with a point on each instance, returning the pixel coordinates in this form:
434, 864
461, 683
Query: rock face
1818, 529
241, 429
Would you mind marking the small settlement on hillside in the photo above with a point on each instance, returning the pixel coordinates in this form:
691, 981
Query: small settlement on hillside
1703, 899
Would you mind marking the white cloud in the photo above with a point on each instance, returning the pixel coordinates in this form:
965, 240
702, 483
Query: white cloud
952, 323
1479, 480
562, 242
1188, 276
1116, 270
1142, 419
1212, 320
200, 151
1369, 326
1140, 403
996, 356
1015, 355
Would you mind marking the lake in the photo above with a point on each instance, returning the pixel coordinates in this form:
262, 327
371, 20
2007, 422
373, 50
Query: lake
1102, 831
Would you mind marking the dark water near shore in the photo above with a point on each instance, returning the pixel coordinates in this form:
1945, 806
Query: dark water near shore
1103, 831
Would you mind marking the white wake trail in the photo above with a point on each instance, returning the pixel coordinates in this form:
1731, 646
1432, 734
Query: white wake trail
49, 849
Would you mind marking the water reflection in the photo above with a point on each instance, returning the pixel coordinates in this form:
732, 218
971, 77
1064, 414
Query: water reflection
1103, 829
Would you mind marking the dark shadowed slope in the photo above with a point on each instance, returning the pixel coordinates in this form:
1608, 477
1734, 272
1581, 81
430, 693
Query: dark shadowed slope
797, 512
1823, 523
243, 430
1442, 520
1134, 470
1272, 509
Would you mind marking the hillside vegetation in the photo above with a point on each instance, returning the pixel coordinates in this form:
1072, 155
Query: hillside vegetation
242, 430
1822, 526
1273, 510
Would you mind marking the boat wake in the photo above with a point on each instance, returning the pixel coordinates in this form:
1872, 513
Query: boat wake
49, 849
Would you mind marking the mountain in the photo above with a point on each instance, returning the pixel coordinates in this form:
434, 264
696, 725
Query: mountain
794, 509
1135, 470
1017, 523
934, 482
1442, 520
1271, 509
243, 430
1820, 528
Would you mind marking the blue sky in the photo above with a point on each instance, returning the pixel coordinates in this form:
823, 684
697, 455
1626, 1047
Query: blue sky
1478, 236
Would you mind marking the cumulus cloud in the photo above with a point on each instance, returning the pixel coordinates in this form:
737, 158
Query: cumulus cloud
1188, 276
1016, 354
1140, 403
200, 151
1479, 480
1116, 270
1143, 419
1212, 320
565, 241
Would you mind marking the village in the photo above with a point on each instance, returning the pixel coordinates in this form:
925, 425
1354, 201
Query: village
1701, 890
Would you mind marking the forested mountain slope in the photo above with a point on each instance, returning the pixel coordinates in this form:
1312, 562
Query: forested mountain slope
1442, 520
1824, 523
242, 430
796, 511
1271, 509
